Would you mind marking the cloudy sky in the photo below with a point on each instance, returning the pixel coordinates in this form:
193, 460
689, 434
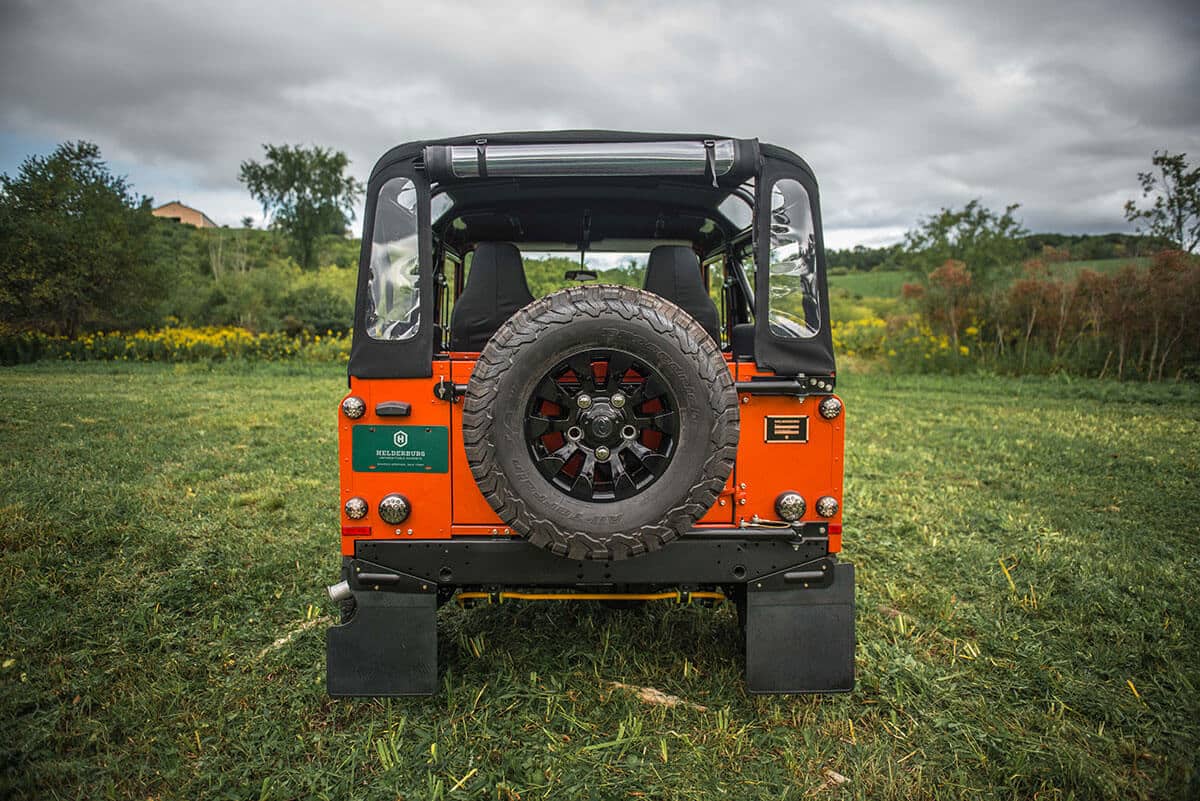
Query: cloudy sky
899, 110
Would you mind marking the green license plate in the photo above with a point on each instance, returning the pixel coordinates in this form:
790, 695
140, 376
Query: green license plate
401, 449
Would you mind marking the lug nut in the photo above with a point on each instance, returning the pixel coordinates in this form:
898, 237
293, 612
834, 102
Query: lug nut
602, 453
618, 400
584, 401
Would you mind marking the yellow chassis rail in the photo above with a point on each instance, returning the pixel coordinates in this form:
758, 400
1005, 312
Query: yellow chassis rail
678, 596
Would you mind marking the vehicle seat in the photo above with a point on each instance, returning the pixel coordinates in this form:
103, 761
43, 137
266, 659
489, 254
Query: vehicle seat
673, 272
495, 290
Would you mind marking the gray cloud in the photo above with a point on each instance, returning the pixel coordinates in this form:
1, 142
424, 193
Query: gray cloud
899, 110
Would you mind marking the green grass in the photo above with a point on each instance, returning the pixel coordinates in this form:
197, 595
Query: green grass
858, 296
1027, 555
867, 285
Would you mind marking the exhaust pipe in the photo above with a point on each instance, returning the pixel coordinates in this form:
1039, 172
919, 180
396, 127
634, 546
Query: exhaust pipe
339, 592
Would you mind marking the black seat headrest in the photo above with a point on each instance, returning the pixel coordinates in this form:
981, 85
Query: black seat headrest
673, 272
495, 290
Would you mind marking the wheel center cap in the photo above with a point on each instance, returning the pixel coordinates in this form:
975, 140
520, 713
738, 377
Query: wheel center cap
601, 422
603, 427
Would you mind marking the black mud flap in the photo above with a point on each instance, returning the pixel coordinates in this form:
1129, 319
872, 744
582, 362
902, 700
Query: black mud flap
389, 647
800, 630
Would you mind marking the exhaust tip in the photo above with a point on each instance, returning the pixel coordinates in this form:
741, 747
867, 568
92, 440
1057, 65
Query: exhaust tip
339, 592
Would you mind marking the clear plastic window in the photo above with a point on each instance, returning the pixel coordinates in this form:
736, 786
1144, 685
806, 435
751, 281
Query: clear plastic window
393, 290
439, 205
794, 308
735, 209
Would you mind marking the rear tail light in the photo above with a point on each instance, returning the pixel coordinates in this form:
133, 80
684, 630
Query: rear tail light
394, 509
353, 407
830, 408
790, 506
356, 508
827, 506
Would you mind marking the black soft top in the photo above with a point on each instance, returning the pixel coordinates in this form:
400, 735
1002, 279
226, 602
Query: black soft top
766, 163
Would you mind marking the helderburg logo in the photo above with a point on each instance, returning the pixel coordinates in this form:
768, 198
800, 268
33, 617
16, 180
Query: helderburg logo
400, 438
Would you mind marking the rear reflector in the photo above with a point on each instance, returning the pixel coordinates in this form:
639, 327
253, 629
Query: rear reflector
834, 528
356, 531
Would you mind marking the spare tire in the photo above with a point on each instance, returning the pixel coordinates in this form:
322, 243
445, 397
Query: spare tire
601, 422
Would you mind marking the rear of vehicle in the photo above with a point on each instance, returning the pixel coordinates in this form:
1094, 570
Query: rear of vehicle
592, 365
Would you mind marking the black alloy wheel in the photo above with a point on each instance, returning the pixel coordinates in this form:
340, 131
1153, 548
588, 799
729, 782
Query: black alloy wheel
602, 425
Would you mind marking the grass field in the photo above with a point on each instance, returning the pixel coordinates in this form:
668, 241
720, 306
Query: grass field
880, 284
1027, 557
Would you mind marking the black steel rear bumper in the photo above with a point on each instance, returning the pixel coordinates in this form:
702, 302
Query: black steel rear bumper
798, 602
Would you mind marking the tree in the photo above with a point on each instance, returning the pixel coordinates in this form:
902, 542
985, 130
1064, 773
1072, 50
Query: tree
74, 245
984, 241
306, 193
1175, 212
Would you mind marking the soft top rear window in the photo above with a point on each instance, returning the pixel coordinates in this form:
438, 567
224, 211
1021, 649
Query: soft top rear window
393, 292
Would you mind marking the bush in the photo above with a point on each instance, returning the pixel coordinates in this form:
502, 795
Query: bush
315, 308
907, 342
1129, 323
175, 345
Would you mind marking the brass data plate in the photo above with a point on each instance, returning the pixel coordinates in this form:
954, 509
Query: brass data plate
790, 428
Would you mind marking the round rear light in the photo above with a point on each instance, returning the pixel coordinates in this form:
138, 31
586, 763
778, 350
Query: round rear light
827, 506
830, 407
790, 506
394, 509
356, 508
353, 407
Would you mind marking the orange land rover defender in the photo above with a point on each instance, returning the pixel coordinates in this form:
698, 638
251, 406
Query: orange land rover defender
598, 365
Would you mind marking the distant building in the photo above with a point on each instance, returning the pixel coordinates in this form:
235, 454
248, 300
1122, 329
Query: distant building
184, 214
